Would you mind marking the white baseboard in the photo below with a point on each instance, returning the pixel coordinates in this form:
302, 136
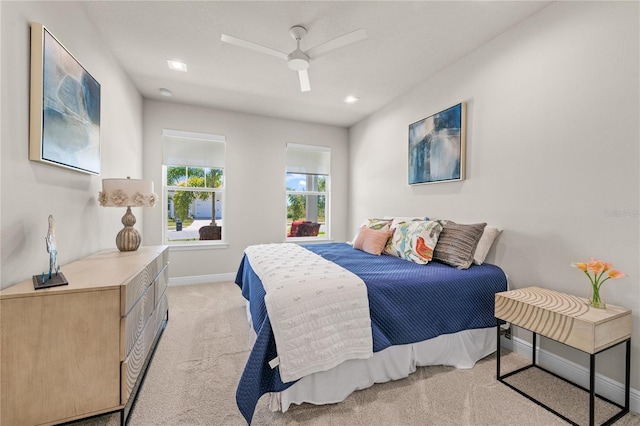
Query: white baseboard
202, 279
574, 372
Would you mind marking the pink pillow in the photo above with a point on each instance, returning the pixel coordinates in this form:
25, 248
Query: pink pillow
372, 240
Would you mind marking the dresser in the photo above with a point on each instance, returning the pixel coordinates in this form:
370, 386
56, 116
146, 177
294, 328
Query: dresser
82, 349
567, 319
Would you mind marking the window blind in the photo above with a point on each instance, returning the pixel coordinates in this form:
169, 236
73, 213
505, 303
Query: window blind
308, 159
192, 149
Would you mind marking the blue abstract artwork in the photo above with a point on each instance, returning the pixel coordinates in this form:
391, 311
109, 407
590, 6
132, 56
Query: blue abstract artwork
436, 147
70, 110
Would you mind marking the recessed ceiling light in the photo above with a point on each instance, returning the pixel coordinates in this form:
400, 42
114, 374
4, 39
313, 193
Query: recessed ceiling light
177, 65
351, 99
165, 92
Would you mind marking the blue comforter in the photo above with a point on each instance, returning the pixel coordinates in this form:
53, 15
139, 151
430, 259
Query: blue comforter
408, 303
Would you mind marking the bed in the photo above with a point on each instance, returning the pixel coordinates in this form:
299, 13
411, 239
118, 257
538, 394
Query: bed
432, 314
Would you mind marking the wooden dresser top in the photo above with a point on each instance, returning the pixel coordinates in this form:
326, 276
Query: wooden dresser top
105, 269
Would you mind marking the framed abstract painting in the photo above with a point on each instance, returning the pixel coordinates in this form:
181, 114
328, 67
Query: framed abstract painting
437, 147
65, 107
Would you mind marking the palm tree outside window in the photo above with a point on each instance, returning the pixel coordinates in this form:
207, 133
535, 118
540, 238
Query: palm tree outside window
194, 192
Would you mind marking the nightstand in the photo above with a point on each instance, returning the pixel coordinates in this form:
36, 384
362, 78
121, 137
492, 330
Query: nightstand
569, 320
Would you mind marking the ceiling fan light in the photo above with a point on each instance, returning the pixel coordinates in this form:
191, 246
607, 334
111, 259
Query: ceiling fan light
298, 64
298, 60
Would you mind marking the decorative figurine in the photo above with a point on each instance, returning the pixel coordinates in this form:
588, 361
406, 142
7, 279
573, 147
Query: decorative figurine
51, 247
54, 277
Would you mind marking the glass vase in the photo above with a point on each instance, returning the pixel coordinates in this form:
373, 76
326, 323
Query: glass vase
595, 299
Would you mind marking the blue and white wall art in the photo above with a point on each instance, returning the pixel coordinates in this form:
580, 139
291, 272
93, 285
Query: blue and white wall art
65, 107
437, 147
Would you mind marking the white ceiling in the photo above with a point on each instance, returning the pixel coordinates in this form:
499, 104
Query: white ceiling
407, 43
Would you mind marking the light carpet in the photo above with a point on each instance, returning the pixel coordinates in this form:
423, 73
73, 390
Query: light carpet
193, 377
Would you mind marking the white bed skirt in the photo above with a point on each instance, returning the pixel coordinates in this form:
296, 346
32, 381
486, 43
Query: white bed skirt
459, 350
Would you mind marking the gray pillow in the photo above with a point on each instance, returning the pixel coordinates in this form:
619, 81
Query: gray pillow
457, 243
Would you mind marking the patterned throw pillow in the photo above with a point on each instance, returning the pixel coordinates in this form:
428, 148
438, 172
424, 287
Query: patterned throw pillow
395, 222
400, 219
457, 243
414, 241
378, 223
372, 240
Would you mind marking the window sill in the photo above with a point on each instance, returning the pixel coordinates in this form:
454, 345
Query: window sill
197, 246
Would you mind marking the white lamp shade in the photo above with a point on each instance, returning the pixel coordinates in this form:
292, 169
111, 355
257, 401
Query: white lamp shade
127, 193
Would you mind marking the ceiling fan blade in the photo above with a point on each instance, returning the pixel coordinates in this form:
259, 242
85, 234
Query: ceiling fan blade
249, 45
303, 76
336, 43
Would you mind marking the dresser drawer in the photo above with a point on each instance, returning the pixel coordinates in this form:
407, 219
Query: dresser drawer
133, 365
161, 284
139, 283
132, 325
59, 356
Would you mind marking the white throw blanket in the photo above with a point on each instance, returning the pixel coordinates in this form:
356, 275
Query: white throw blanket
319, 311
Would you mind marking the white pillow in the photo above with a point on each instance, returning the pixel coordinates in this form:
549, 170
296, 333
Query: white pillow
489, 235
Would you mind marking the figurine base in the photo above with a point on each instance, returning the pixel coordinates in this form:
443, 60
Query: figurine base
54, 281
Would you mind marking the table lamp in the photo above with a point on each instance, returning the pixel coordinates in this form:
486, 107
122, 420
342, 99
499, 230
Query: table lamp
127, 193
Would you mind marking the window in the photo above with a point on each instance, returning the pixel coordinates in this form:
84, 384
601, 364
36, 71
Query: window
193, 187
308, 191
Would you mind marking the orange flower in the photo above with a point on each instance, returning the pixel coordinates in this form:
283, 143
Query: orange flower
580, 265
614, 273
595, 270
596, 266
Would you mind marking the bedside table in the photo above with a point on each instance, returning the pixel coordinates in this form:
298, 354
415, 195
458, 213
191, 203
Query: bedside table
569, 320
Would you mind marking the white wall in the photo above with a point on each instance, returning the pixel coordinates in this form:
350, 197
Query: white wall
255, 207
552, 152
31, 191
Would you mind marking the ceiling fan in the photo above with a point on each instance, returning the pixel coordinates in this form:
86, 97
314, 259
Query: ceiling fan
298, 60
